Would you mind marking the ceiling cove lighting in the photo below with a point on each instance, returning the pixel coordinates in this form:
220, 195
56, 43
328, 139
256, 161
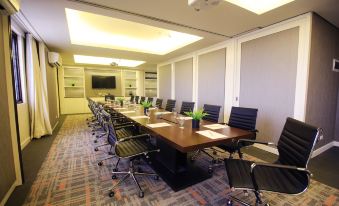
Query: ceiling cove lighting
81, 59
94, 30
259, 6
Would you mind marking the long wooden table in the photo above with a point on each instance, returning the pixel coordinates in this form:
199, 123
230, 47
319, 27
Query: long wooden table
172, 163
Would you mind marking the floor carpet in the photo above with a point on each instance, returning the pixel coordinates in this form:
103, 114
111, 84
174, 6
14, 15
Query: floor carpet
70, 176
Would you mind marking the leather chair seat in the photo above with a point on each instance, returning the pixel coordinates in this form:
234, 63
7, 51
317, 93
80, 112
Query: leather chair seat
269, 179
133, 147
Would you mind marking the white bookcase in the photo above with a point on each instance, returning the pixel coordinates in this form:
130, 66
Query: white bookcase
151, 84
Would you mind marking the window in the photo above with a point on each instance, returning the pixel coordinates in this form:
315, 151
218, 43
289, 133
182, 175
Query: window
16, 68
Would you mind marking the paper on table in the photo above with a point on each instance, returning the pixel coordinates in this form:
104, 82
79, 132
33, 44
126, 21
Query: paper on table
127, 112
140, 117
156, 125
152, 108
215, 126
119, 108
211, 134
162, 113
186, 118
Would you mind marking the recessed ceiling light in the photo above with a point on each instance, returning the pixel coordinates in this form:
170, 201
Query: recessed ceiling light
259, 6
94, 30
82, 59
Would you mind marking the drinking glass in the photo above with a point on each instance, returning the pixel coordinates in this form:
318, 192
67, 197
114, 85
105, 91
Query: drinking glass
174, 112
147, 112
181, 121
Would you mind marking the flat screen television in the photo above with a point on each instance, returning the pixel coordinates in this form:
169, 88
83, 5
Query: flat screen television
103, 82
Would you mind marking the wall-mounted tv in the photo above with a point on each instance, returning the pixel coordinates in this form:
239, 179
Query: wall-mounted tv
103, 82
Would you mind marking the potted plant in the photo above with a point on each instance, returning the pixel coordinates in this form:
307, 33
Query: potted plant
146, 105
121, 100
196, 117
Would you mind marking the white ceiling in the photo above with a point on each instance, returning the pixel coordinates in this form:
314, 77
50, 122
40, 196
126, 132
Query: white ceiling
49, 20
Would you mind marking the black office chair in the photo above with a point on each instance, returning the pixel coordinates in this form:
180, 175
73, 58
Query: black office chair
142, 99
109, 97
136, 99
150, 99
131, 148
186, 107
158, 103
242, 118
170, 105
289, 174
132, 98
213, 112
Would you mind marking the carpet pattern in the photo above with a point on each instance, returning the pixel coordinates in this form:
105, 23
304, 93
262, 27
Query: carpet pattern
70, 176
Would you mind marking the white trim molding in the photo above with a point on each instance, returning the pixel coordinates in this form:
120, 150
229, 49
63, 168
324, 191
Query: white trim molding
173, 81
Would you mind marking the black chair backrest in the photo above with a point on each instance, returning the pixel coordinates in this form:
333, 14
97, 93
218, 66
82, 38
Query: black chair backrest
150, 99
136, 99
243, 118
142, 99
212, 111
132, 98
158, 103
109, 97
112, 135
186, 107
170, 105
296, 143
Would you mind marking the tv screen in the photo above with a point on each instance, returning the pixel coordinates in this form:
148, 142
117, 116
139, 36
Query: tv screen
103, 82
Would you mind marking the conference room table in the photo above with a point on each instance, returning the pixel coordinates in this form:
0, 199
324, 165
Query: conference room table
172, 163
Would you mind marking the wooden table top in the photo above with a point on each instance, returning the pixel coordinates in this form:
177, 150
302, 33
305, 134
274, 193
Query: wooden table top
183, 139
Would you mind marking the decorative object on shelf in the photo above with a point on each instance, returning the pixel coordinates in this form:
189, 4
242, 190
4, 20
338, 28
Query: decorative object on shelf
130, 85
73, 85
196, 117
121, 100
146, 105
150, 75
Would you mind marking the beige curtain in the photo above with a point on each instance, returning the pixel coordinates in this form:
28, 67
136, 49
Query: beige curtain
37, 92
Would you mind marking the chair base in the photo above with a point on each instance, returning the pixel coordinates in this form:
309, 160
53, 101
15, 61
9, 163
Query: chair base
131, 173
258, 202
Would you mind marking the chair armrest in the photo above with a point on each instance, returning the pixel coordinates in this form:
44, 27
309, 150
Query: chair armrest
121, 126
255, 141
134, 137
277, 166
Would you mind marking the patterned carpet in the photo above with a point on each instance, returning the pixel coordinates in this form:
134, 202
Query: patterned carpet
70, 176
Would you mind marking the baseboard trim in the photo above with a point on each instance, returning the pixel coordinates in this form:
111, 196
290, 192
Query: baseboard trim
267, 148
314, 154
25, 143
55, 125
8, 194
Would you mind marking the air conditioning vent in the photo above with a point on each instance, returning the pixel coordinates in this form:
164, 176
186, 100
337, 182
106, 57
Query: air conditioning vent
335, 65
54, 59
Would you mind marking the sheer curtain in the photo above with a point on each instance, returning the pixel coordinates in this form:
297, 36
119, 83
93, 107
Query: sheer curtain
37, 92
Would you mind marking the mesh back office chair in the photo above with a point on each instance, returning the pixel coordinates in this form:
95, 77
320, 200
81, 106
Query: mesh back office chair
186, 107
109, 97
243, 118
288, 174
158, 103
142, 99
136, 99
212, 111
130, 148
150, 99
170, 105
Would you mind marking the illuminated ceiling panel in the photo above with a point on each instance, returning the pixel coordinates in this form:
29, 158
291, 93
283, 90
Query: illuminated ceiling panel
81, 59
259, 6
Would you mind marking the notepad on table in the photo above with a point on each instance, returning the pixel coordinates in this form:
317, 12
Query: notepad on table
211, 134
119, 108
157, 113
127, 112
156, 125
140, 117
215, 126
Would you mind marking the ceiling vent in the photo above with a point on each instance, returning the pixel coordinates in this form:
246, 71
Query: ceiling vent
202, 4
9, 7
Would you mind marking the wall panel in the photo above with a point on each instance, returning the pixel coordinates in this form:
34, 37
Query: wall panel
183, 81
165, 82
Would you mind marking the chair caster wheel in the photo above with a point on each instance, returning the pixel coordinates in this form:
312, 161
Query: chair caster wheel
140, 170
100, 163
93, 133
214, 161
114, 177
95, 141
141, 194
156, 177
115, 170
192, 159
110, 153
210, 170
96, 149
111, 194
229, 203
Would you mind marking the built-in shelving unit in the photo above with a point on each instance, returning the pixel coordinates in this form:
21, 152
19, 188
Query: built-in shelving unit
151, 84
74, 84
130, 83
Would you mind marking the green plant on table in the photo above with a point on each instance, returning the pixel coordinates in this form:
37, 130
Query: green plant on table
146, 104
120, 99
197, 115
